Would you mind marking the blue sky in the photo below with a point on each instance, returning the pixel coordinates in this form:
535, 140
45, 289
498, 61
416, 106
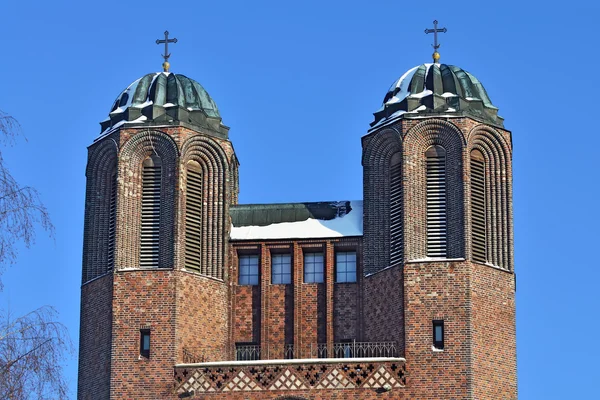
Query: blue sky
297, 82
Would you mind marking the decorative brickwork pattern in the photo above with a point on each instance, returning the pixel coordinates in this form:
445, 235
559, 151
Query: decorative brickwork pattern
417, 140
134, 151
350, 378
102, 165
378, 149
497, 154
215, 173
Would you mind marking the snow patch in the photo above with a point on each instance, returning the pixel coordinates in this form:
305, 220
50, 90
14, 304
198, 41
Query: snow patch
350, 224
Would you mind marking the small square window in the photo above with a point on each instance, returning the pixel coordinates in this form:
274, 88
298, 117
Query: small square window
281, 268
438, 334
345, 266
248, 270
145, 343
313, 268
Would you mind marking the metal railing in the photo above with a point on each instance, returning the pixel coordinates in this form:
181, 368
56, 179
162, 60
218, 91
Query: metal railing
354, 349
250, 352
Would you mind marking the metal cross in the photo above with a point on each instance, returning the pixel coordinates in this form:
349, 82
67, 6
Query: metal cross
166, 41
435, 31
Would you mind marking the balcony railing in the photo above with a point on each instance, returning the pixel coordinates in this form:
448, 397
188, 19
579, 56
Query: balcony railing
251, 352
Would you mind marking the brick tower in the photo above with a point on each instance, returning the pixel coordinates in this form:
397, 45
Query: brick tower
438, 234
407, 294
160, 180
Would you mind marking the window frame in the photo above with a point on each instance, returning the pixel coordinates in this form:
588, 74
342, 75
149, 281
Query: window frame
248, 281
438, 341
145, 352
345, 271
314, 273
284, 271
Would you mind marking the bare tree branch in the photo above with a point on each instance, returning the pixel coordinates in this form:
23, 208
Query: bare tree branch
32, 350
21, 209
32, 347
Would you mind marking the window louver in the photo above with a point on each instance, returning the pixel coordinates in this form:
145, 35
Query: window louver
396, 226
478, 206
436, 202
150, 227
112, 220
193, 217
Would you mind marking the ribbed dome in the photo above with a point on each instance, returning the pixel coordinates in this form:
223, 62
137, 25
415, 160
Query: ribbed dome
430, 90
163, 97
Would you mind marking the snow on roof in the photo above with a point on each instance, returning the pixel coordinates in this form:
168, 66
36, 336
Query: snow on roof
350, 224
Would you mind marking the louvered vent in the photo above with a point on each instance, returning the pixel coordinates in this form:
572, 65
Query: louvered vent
396, 227
112, 219
193, 216
436, 202
478, 206
151, 177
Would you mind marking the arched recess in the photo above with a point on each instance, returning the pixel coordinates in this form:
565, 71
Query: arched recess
213, 166
135, 151
100, 191
496, 153
417, 141
383, 204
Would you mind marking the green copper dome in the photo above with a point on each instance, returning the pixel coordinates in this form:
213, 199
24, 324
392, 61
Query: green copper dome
431, 90
164, 98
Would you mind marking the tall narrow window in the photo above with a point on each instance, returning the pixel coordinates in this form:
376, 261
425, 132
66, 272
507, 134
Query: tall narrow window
145, 343
150, 226
193, 216
436, 202
112, 221
478, 230
438, 334
396, 228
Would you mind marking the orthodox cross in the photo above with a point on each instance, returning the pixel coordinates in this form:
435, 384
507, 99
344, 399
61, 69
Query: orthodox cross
166, 56
435, 30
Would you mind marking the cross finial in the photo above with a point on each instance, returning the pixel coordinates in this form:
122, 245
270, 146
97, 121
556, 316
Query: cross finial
435, 30
166, 56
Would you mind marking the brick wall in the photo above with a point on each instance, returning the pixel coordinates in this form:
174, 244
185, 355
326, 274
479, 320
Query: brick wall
438, 290
143, 299
202, 314
494, 344
383, 305
95, 339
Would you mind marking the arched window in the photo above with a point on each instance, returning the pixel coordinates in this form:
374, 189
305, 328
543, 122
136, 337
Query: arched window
396, 226
436, 202
193, 216
112, 221
478, 225
150, 224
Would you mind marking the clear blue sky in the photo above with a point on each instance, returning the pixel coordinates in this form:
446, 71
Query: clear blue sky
297, 82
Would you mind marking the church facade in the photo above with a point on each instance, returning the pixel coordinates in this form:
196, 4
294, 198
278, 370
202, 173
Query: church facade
406, 294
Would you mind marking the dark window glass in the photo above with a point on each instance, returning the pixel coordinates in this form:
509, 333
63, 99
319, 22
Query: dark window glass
438, 334
145, 343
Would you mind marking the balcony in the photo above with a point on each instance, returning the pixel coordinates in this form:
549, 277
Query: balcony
349, 365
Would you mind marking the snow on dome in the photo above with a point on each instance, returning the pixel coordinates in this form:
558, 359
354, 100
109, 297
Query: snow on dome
344, 223
433, 90
163, 97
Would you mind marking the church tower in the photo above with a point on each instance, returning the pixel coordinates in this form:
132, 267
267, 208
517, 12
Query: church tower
160, 179
438, 234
